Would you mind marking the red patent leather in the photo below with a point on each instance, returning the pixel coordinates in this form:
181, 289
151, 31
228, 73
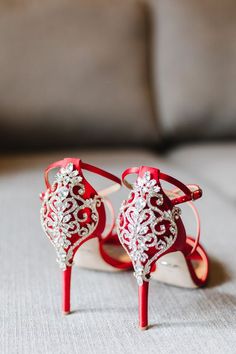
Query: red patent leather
127, 223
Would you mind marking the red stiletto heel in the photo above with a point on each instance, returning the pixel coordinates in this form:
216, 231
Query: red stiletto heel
66, 285
150, 229
72, 213
143, 305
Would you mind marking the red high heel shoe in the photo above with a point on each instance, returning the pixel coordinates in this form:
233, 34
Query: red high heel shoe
150, 229
72, 213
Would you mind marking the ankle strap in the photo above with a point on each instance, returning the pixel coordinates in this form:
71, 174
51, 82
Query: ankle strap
191, 192
174, 193
79, 164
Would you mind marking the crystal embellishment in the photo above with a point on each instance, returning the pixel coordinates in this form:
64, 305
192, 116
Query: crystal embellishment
144, 225
65, 214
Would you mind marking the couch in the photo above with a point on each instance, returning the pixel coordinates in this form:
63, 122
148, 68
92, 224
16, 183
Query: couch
117, 84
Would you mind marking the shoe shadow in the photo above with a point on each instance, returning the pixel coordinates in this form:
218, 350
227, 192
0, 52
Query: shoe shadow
211, 300
217, 273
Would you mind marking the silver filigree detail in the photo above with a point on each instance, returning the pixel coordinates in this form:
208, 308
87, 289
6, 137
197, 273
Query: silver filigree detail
142, 225
61, 211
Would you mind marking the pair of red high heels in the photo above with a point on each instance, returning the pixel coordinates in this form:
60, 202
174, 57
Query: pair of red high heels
149, 227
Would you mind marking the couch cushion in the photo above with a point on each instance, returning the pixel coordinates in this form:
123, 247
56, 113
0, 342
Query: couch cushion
195, 54
212, 164
74, 72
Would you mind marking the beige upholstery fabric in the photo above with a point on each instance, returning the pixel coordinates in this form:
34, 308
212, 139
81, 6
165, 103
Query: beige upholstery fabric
74, 72
194, 64
105, 304
211, 162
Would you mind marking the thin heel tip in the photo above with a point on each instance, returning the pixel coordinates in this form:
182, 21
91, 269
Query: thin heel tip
65, 313
143, 328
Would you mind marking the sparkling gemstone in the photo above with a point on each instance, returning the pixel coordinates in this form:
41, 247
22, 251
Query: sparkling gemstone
159, 201
60, 215
160, 245
66, 243
167, 214
81, 191
60, 205
58, 176
66, 179
63, 193
74, 173
135, 215
147, 175
139, 181
152, 183
144, 189
130, 228
138, 268
69, 168
139, 280
53, 216
67, 218
142, 229
140, 203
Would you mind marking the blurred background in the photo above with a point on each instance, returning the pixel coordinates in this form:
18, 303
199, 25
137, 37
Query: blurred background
107, 72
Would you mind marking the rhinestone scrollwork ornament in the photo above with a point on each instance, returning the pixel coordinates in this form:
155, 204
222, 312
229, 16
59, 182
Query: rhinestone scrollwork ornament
144, 225
66, 213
